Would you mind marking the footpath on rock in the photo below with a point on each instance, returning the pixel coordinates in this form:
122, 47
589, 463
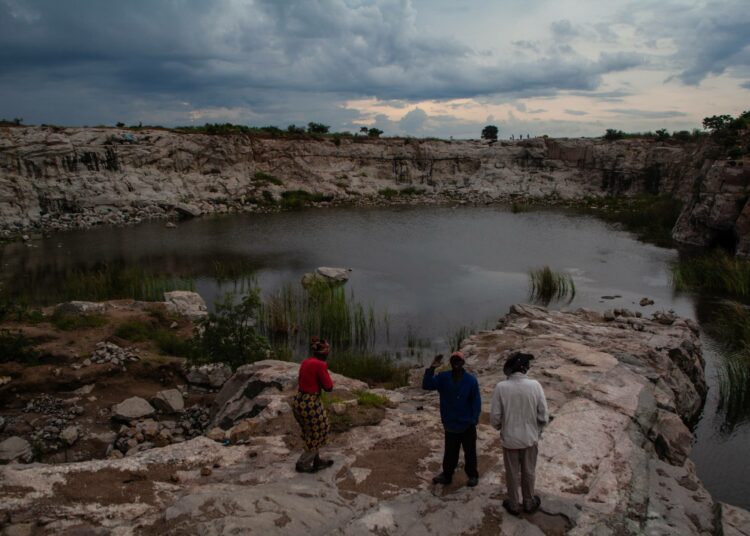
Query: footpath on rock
614, 460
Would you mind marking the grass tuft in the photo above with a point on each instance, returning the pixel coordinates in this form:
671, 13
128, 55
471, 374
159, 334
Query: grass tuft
372, 400
70, 322
15, 346
546, 286
374, 369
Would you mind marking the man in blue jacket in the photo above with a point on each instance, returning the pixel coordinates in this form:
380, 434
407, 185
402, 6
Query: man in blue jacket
460, 406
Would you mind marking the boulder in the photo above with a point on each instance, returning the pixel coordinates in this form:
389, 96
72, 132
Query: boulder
69, 435
262, 390
131, 409
169, 401
15, 449
187, 210
80, 308
672, 438
211, 375
186, 303
338, 275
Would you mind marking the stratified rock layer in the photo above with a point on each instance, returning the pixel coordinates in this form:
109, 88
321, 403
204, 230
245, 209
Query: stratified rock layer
612, 462
59, 178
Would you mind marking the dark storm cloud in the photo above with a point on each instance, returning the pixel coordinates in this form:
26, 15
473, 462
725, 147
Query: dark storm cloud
711, 37
575, 112
243, 53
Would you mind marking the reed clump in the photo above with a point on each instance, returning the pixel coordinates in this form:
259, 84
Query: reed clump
547, 285
716, 273
372, 368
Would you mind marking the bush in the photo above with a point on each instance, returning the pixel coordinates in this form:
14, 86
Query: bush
15, 346
265, 178
388, 193
613, 134
297, 199
317, 128
230, 334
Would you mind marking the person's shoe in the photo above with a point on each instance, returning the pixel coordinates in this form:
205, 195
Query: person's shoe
537, 502
473, 481
512, 511
321, 463
300, 468
442, 478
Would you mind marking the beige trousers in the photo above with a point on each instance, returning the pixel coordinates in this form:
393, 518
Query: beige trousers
520, 469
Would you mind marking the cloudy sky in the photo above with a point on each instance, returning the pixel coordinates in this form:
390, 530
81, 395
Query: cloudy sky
417, 67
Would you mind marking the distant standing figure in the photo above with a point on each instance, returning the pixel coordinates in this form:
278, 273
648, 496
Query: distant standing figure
519, 411
460, 406
308, 409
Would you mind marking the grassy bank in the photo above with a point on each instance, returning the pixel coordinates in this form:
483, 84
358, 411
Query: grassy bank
650, 217
717, 274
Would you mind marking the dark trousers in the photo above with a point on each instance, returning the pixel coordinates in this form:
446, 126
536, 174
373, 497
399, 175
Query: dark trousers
453, 443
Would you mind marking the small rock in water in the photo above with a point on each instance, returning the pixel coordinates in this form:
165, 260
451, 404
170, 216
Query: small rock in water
646, 301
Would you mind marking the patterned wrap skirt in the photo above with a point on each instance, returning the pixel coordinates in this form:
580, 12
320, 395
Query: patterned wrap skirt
312, 419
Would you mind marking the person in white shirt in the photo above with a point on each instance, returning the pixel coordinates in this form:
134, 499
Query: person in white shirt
519, 411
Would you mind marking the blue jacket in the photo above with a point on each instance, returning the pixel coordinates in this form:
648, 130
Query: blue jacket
460, 402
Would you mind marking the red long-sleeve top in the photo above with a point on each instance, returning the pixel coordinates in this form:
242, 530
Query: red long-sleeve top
313, 376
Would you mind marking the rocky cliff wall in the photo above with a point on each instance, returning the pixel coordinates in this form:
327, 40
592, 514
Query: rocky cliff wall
53, 177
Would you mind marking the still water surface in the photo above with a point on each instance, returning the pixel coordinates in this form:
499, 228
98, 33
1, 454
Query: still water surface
431, 270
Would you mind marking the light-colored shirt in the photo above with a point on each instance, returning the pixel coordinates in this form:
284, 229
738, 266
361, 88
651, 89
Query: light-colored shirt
519, 411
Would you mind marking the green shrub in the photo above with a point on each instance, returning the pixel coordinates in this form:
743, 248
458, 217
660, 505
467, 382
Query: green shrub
297, 199
411, 190
230, 334
371, 400
15, 346
613, 134
167, 341
388, 193
547, 285
265, 178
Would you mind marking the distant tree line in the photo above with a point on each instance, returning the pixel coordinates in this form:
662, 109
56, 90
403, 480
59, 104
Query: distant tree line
724, 129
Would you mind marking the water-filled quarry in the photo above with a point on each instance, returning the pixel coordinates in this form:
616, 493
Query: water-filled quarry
423, 275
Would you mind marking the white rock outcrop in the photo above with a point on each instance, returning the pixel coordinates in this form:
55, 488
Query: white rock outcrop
612, 462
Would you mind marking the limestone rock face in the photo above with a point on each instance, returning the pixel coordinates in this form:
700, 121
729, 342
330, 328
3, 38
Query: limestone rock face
133, 408
613, 461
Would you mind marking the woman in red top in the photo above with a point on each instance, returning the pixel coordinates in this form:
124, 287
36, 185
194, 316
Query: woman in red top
308, 407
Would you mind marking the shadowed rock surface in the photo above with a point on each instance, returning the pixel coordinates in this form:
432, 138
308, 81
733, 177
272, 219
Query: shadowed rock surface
611, 462
60, 178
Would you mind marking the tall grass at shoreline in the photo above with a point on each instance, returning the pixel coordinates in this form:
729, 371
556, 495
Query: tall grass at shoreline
730, 327
716, 273
547, 285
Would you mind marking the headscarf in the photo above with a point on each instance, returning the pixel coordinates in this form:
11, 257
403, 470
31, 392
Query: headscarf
320, 347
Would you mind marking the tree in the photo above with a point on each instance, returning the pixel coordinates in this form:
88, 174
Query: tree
294, 129
662, 134
317, 128
489, 133
716, 123
363, 130
374, 132
614, 134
